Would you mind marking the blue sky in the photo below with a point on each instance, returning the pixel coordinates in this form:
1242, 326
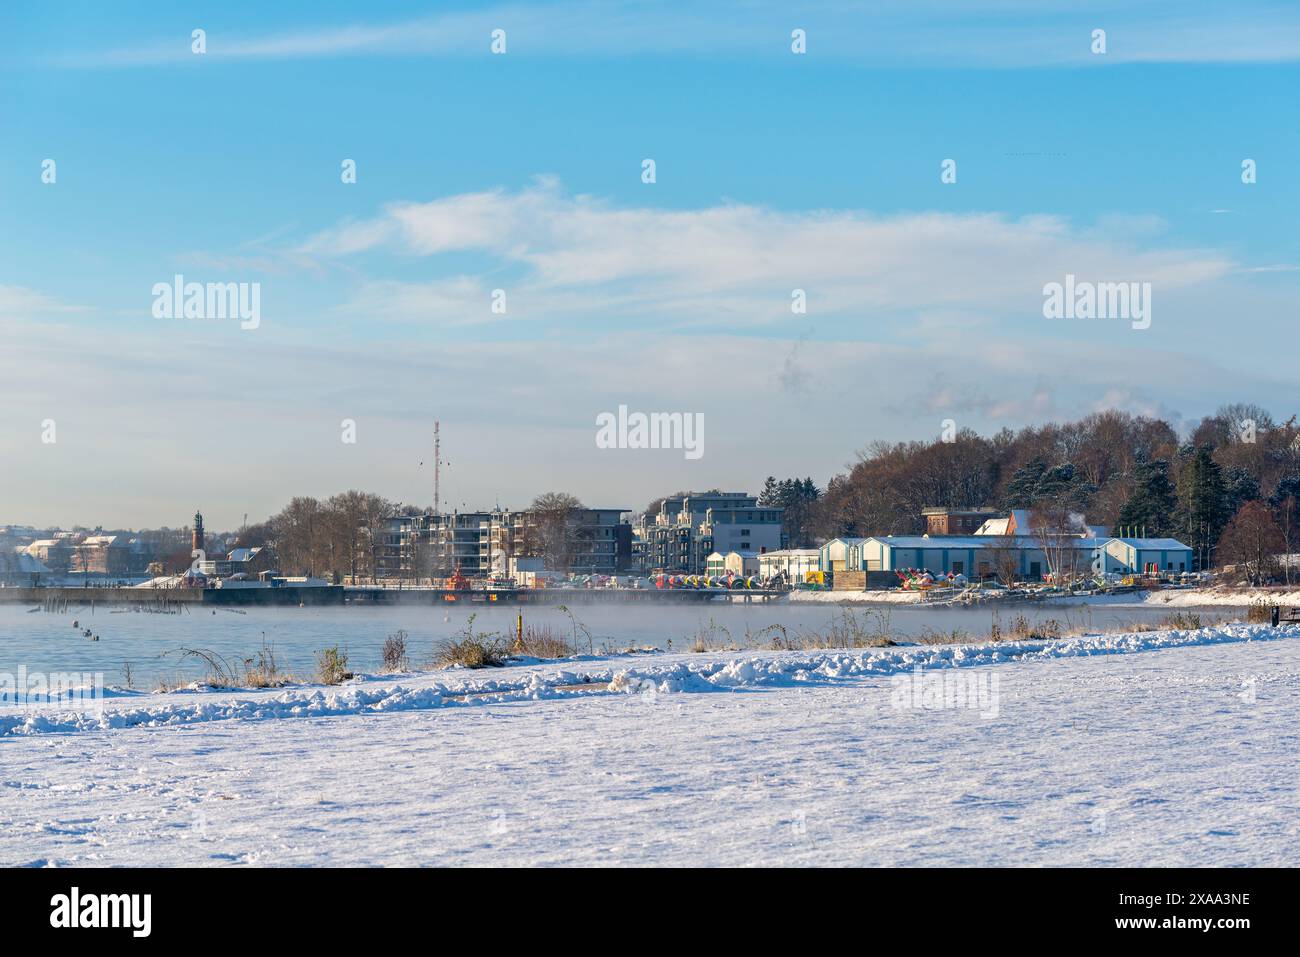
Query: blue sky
522, 172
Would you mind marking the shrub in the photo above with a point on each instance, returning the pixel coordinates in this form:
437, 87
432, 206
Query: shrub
930, 636
394, 652
332, 666
472, 650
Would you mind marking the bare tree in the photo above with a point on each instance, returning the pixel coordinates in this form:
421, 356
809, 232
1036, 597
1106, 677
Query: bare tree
299, 530
1055, 529
1251, 542
1004, 556
548, 531
1286, 521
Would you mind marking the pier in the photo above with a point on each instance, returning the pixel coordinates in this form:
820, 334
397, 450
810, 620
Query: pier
360, 595
293, 595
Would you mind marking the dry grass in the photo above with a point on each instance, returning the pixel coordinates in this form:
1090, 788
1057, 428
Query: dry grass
1183, 621
1022, 629
1260, 611
712, 637
471, 649
955, 637
262, 671
259, 671
849, 629
580, 631
543, 642
218, 671
1180, 621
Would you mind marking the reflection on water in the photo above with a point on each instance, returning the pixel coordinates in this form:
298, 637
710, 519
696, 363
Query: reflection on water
152, 644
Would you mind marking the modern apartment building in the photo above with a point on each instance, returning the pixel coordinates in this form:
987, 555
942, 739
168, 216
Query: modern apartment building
688, 528
481, 544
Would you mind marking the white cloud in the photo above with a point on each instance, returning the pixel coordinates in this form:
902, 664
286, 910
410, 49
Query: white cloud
912, 319
737, 264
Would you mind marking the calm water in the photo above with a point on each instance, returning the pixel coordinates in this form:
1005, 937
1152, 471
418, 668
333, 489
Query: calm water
152, 644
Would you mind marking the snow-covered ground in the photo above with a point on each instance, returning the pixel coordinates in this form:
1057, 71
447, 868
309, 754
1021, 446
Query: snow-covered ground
1173, 597
1235, 597
1168, 748
875, 596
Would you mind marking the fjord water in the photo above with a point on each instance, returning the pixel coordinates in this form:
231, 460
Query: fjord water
152, 645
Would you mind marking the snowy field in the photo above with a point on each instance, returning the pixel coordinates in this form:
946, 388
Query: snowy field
1169, 748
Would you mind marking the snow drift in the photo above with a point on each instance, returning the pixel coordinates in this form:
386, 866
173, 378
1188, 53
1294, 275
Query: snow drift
685, 674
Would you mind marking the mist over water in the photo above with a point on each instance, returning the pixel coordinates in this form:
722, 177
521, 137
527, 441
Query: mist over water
152, 644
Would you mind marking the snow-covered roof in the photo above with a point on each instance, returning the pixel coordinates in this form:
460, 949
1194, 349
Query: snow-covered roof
979, 541
28, 565
243, 554
18, 562
1023, 541
1018, 520
163, 581
942, 541
1163, 544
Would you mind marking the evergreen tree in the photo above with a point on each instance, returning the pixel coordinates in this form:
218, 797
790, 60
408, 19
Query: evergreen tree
1202, 503
1153, 503
1023, 487
1288, 486
797, 497
1240, 487
1037, 486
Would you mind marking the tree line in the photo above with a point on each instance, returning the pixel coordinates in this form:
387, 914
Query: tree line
1229, 489
1237, 469
344, 536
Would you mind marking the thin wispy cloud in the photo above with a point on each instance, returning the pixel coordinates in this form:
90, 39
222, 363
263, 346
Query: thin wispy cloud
19, 302
990, 35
